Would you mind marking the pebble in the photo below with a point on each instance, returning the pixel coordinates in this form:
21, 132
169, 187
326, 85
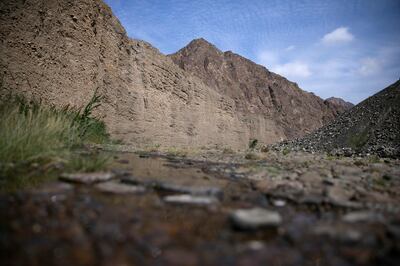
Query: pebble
208, 191
362, 216
189, 199
119, 188
338, 194
87, 178
256, 218
346, 235
170, 187
279, 203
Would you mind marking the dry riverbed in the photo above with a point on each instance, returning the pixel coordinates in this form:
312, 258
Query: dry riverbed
210, 209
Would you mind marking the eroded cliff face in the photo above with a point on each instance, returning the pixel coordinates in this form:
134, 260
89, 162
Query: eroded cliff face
260, 95
61, 51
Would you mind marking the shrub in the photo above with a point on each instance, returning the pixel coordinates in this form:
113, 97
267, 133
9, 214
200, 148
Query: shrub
251, 156
253, 144
90, 129
286, 151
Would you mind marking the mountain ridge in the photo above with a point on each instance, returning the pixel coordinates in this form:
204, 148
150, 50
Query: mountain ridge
61, 52
245, 81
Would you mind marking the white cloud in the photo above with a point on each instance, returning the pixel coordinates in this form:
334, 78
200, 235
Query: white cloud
295, 69
290, 48
267, 58
340, 35
369, 66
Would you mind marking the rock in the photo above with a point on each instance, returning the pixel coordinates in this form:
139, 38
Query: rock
343, 234
119, 188
311, 199
87, 178
311, 177
120, 173
191, 200
256, 218
339, 195
279, 203
136, 181
271, 186
53, 188
363, 217
170, 187
209, 191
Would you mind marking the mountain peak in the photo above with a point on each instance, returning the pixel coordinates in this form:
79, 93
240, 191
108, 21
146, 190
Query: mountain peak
339, 102
201, 44
255, 91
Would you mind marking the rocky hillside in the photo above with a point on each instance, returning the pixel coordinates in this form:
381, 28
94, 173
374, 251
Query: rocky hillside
338, 104
373, 126
264, 98
62, 51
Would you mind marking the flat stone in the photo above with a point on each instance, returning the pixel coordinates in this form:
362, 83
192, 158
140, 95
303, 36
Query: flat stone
279, 203
121, 172
256, 218
53, 188
311, 198
87, 178
208, 191
338, 194
170, 187
343, 234
362, 217
189, 199
311, 177
136, 181
119, 188
271, 186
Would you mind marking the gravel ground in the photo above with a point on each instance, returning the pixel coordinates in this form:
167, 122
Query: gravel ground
214, 209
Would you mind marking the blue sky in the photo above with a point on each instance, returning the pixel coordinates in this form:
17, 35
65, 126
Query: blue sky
343, 48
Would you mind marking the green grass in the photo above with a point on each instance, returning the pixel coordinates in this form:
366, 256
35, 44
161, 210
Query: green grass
176, 152
286, 151
87, 163
35, 134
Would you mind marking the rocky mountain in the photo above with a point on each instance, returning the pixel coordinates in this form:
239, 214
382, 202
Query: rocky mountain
373, 126
268, 102
338, 104
62, 51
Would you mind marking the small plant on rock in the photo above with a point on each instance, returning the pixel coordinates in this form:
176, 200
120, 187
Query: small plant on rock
253, 144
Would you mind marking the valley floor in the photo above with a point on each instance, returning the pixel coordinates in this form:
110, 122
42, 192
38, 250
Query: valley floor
211, 209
